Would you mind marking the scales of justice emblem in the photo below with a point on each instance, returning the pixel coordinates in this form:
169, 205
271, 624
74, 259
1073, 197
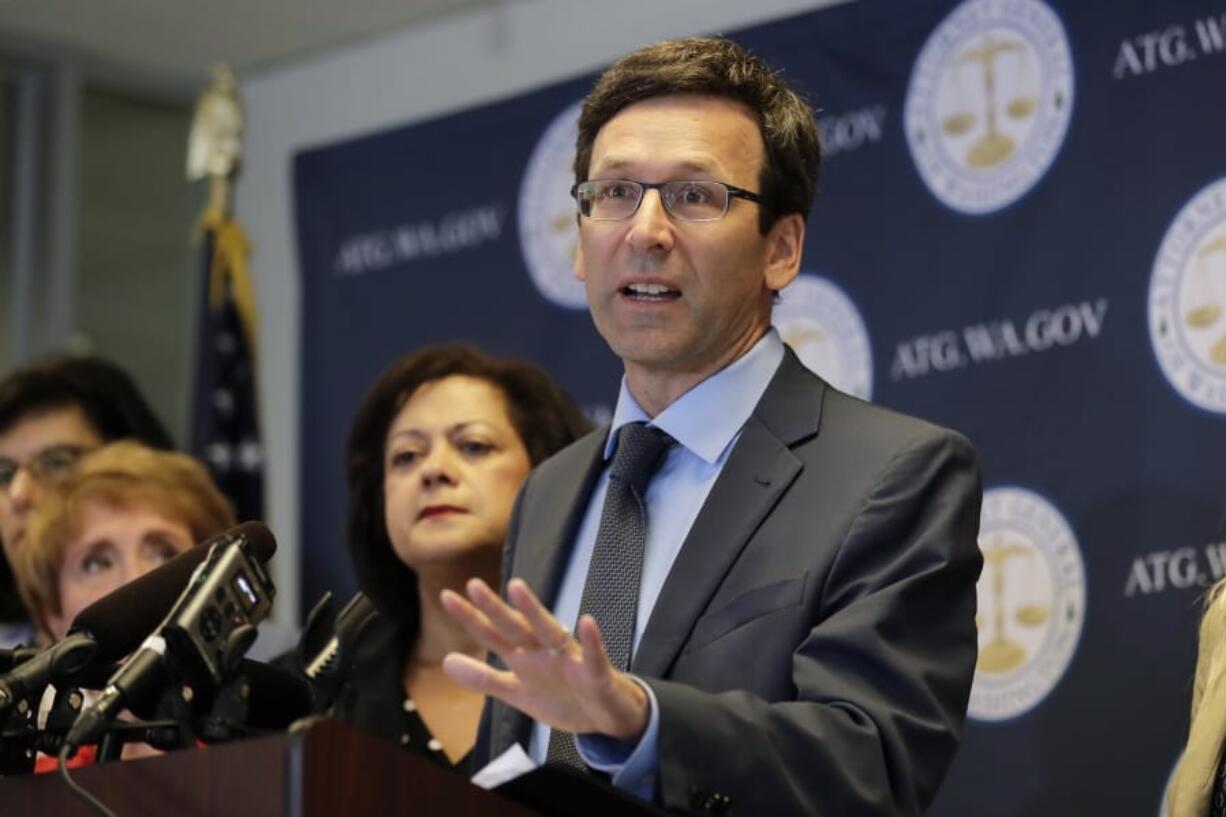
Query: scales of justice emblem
1031, 603
1187, 324
819, 321
1205, 311
548, 230
1002, 653
989, 103
992, 146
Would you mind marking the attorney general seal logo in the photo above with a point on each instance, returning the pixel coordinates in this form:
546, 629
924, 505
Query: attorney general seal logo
820, 322
1187, 293
1031, 603
548, 232
989, 103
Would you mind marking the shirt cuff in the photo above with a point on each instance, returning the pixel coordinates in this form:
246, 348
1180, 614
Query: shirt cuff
632, 768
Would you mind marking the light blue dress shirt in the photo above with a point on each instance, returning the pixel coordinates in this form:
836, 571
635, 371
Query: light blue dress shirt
705, 422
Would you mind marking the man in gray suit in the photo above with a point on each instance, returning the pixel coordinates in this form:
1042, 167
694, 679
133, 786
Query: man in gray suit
798, 635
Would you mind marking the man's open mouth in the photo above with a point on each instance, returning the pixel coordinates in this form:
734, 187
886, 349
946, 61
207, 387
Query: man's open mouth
650, 292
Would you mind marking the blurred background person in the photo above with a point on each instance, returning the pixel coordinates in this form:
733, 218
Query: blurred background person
123, 510
1199, 785
52, 412
438, 450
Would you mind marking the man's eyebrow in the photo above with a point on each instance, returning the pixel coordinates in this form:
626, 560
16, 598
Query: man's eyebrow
694, 165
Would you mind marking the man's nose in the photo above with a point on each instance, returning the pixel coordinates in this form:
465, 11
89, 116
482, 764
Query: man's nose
651, 227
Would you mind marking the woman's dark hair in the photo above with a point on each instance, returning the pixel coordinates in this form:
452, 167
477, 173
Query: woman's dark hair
105, 394
545, 418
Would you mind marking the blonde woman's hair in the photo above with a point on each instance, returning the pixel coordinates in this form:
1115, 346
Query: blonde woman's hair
1192, 786
123, 474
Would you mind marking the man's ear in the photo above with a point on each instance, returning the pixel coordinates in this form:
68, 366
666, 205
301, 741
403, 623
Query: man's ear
785, 244
577, 267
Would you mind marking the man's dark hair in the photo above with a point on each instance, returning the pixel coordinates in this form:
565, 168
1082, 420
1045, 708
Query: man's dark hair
104, 393
715, 66
545, 418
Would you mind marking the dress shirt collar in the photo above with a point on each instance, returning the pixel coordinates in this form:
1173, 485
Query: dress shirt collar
706, 419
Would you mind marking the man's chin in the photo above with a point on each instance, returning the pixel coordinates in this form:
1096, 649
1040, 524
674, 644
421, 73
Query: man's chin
653, 349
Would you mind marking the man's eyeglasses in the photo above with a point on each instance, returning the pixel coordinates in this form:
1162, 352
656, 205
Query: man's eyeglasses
48, 466
616, 199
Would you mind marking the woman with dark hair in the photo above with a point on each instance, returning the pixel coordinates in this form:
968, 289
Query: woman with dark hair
439, 448
52, 412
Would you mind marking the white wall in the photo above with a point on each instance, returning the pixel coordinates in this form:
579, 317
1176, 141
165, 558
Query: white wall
461, 62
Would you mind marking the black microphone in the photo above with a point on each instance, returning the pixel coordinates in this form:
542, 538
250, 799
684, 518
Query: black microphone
63, 659
120, 620
328, 666
11, 657
347, 630
273, 697
104, 632
209, 627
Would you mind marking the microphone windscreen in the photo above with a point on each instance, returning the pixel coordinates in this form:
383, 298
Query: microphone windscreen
261, 544
278, 696
120, 620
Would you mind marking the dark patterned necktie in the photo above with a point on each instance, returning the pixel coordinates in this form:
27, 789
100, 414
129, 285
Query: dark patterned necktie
611, 591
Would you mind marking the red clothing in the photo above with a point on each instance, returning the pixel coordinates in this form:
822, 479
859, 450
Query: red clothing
83, 757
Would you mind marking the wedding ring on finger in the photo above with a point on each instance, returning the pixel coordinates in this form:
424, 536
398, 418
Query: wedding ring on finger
560, 647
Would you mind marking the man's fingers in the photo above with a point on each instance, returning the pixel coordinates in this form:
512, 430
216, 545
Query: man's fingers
512, 627
478, 676
475, 622
595, 658
548, 630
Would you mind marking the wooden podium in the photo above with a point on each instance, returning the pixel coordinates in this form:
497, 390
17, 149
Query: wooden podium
327, 769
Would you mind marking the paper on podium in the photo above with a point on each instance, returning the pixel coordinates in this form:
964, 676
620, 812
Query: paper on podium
506, 767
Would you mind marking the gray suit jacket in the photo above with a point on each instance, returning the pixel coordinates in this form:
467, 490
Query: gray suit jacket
813, 647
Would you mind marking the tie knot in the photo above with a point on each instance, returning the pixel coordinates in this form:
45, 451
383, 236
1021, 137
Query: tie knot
639, 447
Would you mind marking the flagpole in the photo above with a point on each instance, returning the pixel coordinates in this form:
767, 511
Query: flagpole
225, 421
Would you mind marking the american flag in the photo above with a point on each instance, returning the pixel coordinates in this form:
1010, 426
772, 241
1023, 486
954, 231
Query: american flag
225, 420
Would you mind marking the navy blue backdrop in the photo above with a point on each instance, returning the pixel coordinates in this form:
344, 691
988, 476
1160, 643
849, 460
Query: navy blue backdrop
1020, 233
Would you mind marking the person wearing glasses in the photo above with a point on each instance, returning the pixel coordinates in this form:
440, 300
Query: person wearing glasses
439, 447
122, 510
51, 412
753, 594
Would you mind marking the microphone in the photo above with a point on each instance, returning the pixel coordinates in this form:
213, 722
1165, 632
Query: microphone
270, 699
63, 659
208, 629
120, 620
329, 665
351, 622
11, 657
104, 632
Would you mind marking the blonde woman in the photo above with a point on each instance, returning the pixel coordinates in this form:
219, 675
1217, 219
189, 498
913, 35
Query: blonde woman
122, 511
1199, 788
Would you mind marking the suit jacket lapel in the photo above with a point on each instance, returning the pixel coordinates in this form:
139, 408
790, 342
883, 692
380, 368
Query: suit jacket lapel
759, 469
545, 537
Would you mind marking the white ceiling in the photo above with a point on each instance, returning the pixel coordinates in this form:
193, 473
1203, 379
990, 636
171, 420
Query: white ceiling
166, 46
